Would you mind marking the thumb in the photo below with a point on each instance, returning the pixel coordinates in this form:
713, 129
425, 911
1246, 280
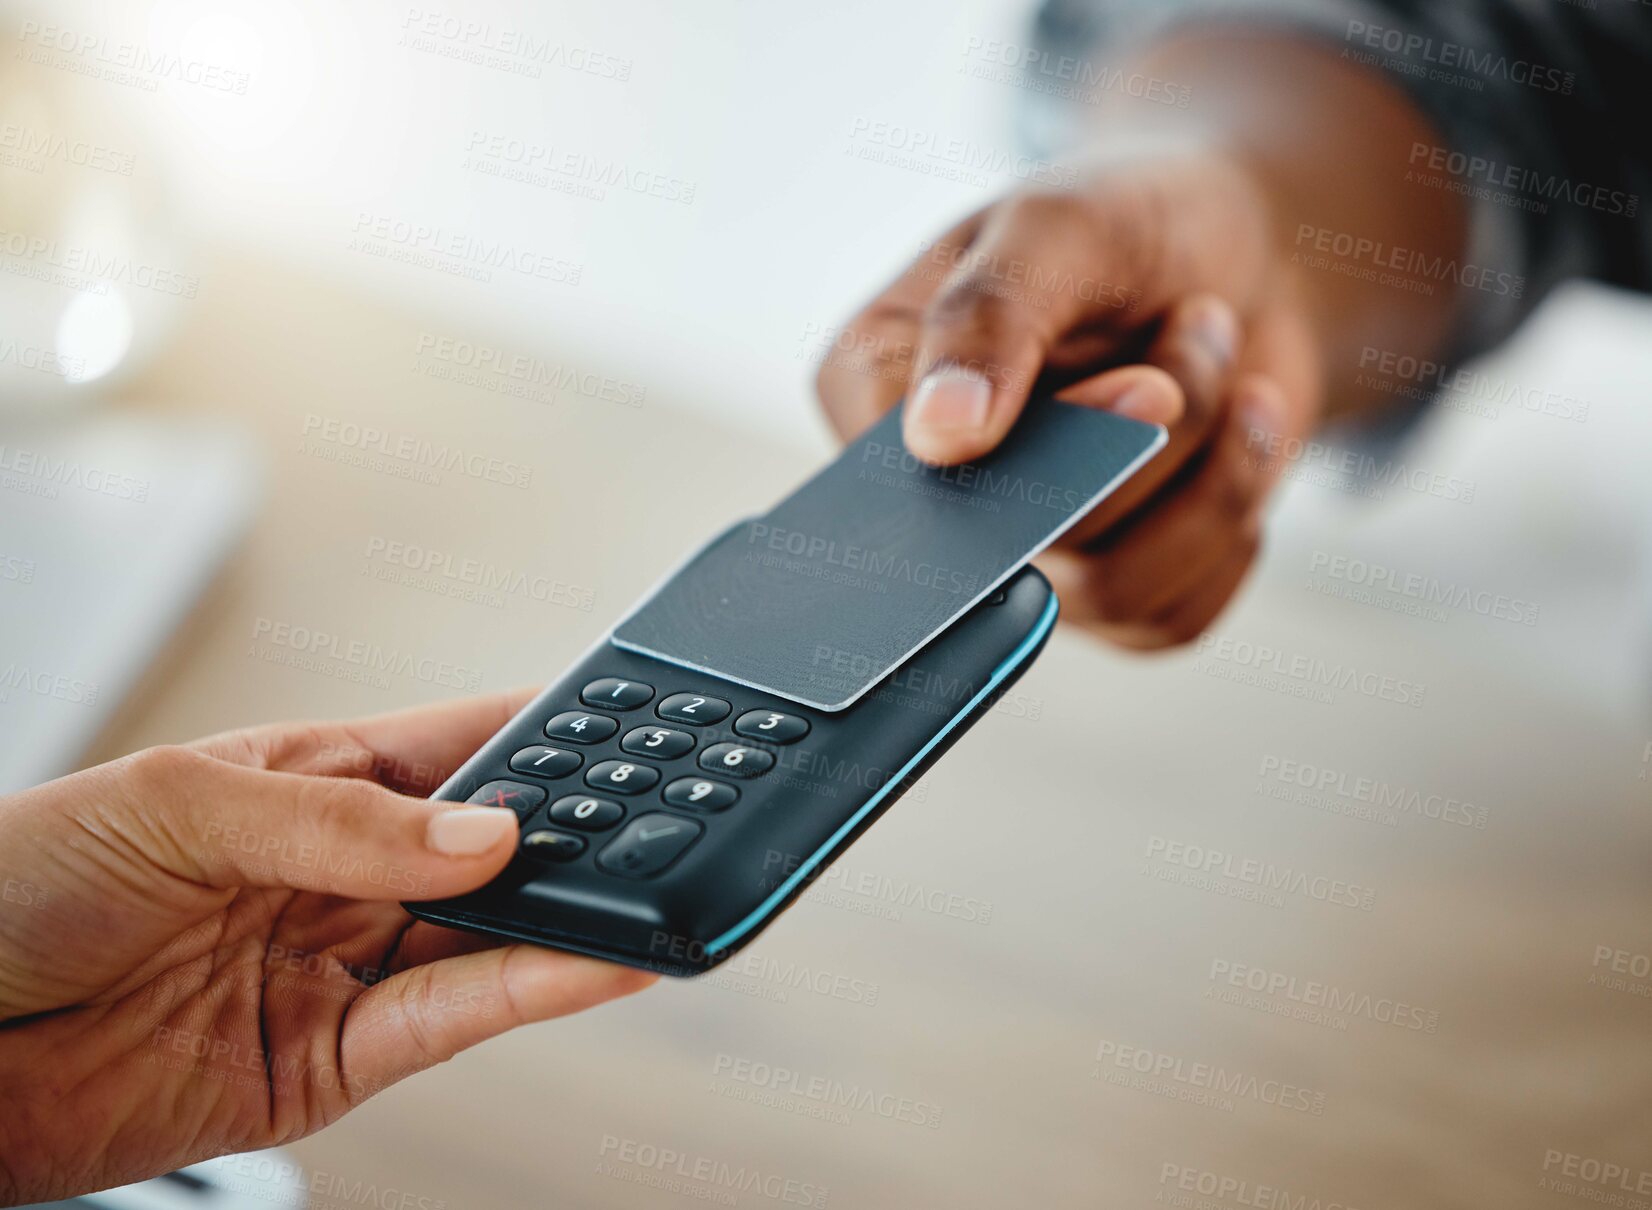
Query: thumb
1066, 279
222, 825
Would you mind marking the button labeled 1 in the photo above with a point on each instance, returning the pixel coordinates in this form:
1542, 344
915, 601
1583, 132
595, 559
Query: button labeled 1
611, 693
648, 844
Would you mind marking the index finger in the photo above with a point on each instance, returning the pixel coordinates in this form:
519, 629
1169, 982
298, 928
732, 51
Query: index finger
867, 362
411, 751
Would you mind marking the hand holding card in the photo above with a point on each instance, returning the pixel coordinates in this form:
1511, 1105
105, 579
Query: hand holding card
879, 553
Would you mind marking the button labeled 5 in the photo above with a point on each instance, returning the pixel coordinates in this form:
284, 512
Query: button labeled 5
660, 742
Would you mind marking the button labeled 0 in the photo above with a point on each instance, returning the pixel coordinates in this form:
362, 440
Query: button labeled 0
586, 813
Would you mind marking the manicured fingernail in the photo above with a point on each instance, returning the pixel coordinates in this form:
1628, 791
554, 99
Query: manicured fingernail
467, 831
951, 398
1214, 325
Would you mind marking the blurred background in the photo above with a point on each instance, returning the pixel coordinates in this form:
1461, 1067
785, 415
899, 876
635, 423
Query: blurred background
305, 306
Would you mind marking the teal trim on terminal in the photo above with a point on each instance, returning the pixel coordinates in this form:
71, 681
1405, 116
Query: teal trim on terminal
778, 896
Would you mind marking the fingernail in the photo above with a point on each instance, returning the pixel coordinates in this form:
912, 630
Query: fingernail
1215, 326
467, 831
950, 398
1261, 408
1140, 402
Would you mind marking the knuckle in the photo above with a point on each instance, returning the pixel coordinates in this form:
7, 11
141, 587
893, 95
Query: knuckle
416, 1009
1044, 209
337, 802
982, 332
166, 766
964, 303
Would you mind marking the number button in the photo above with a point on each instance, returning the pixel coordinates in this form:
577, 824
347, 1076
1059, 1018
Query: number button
575, 727
586, 814
622, 777
611, 693
699, 794
662, 743
513, 794
770, 725
693, 709
736, 760
541, 761
649, 844
552, 846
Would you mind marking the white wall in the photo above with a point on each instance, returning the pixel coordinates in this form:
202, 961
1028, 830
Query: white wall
351, 110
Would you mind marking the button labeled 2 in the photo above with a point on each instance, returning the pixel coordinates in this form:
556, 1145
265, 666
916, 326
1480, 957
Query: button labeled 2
648, 844
693, 709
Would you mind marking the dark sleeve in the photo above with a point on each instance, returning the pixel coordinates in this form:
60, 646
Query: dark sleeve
1544, 109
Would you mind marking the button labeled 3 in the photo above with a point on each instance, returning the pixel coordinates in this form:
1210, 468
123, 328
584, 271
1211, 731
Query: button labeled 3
771, 725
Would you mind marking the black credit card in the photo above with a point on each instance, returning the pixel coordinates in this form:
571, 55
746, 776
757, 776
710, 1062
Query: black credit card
843, 580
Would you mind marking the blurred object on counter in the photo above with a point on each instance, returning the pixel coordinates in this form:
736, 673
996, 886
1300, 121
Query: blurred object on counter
112, 532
